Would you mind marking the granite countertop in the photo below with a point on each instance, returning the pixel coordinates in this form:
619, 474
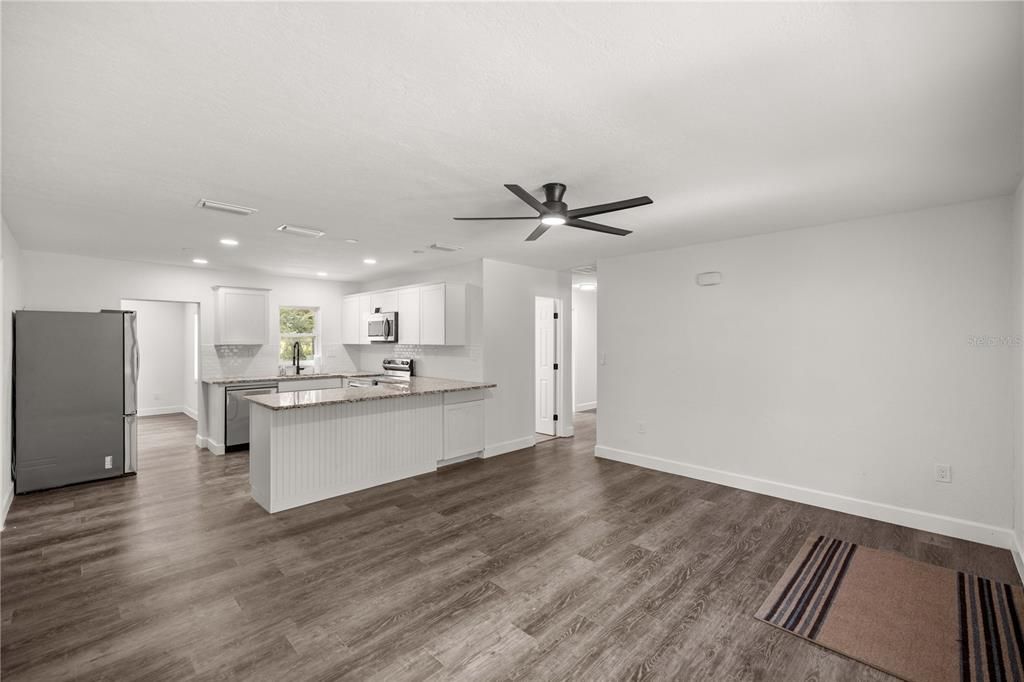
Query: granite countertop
289, 377
332, 396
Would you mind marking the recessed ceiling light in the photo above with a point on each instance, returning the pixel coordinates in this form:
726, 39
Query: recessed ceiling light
321, 274
200, 261
553, 220
229, 242
301, 231
370, 261
229, 208
588, 287
351, 241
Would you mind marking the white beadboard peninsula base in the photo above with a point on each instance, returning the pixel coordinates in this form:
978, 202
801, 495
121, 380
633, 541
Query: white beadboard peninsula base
300, 456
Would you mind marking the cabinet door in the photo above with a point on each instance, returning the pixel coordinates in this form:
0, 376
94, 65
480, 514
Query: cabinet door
350, 319
387, 301
365, 309
409, 315
463, 429
242, 317
432, 315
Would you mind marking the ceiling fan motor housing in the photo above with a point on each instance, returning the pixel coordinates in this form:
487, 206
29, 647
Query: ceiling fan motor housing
553, 193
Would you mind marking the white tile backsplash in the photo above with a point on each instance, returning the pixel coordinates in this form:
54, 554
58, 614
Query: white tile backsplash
445, 362
241, 361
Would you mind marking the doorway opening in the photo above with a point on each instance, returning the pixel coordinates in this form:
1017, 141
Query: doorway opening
168, 337
584, 339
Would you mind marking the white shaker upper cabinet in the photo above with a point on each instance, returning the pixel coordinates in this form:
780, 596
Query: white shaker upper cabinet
409, 315
432, 315
350, 319
387, 301
428, 315
242, 316
365, 310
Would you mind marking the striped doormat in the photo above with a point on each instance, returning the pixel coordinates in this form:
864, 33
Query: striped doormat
904, 617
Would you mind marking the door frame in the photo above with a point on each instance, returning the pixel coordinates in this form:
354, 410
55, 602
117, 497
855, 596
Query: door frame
563, 426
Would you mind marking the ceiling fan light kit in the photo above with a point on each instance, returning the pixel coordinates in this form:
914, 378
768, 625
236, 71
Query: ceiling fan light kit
553, 211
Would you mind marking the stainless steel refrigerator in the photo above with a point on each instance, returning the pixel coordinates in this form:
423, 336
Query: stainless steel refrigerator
75, 397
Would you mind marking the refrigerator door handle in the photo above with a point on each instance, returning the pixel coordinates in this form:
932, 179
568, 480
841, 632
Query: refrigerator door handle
132, 381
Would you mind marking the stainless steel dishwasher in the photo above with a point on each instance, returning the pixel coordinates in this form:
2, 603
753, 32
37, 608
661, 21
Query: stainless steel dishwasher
236, 413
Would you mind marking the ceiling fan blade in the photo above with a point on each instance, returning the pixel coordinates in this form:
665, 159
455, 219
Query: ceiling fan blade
532, 217
527, 197
535, 235
608, 208
597, 227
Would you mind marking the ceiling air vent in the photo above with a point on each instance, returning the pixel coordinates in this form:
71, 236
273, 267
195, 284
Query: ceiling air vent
437, 246
301, 231
227, 208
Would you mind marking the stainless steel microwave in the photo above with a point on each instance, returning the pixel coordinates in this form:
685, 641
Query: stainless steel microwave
383, 327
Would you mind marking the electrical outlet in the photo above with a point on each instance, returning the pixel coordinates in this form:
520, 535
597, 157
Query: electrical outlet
943, 473
108, 462
604, 358
156, 397
641, 427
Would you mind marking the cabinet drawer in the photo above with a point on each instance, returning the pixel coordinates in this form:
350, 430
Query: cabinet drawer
456, 397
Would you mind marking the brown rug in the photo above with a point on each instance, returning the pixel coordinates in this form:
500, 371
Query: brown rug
904, 617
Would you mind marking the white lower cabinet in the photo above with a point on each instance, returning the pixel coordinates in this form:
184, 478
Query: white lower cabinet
463, 424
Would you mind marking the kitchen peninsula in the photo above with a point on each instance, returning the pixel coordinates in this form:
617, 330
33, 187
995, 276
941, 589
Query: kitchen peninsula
307, 446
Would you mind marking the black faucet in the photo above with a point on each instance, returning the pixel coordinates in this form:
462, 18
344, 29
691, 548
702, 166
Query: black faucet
297, 358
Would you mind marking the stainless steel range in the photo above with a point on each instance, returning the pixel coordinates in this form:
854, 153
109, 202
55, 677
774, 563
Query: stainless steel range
396, 371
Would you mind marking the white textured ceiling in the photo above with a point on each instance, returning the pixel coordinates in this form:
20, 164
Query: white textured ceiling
382, 121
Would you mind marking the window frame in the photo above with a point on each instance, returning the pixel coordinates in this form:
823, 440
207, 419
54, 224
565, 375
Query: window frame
315, 336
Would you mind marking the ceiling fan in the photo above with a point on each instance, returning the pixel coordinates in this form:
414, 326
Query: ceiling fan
554, 211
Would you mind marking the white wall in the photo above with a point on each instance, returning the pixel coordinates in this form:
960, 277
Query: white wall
66, 282
162, 350
509, 294
189, 384
10, 261
834, 365
584, 342
450, 362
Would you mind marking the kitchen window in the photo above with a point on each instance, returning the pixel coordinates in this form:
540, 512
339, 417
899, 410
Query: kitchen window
302, 325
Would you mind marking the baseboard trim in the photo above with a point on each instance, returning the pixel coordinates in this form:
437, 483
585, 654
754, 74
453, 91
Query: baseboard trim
508, 446
209, 444
441, 463
912, 518
8, 499
580, 407
1018, 556
190, 413
157, 411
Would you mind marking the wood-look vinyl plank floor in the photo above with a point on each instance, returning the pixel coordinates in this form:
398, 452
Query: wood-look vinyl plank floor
541, 564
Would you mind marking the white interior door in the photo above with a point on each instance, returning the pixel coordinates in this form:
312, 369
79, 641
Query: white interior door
544, 359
